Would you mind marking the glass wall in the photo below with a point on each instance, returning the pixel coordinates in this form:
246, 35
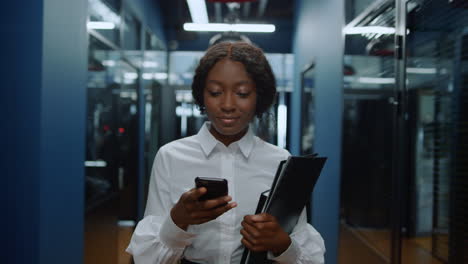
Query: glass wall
368, 133
127, 68
404, 135
154, 79
436, 70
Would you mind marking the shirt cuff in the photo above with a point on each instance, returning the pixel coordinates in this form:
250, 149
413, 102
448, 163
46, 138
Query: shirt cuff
290, 255
173, 236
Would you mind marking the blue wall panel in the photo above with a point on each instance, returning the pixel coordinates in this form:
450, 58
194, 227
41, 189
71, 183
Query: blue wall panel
318, 37
21, 31
43, 124
62, 138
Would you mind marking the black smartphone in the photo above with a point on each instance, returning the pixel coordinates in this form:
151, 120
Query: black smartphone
216, 187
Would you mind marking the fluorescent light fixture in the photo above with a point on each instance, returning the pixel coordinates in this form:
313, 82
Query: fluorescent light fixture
95, 163
151, 76
221, 27
422, 70
131, 75
147, 76
198, 11
100, 25
376, 80
150, 64
126, 223
160, 75
282, 125
368, 30
109, 63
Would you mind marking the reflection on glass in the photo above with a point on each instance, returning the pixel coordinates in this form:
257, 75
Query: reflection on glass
131, 32
367, 147
111, 125
104, 18
436, 73
101, 137
154, 68
308, 110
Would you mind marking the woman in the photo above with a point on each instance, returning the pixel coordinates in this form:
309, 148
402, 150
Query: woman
232, 84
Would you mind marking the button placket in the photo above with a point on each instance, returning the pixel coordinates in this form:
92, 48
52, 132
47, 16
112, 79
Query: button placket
225, 173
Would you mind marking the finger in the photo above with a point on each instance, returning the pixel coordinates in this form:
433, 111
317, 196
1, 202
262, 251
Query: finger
197, 193
263, 217
216, 212
224, 208
248, 237
251, 230
210, 204
260, 230
251, 246
266, 229
248, 219
252, 219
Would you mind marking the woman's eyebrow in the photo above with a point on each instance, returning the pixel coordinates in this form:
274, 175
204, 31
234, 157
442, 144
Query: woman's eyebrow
214, 81
243, 82
237, 83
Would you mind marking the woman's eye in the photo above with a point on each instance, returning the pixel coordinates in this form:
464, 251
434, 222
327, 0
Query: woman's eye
243, 95
214, 94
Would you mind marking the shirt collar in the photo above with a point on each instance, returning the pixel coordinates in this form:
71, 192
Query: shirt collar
208, 142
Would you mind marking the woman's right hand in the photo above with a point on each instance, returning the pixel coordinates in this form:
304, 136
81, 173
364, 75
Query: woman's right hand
190, 211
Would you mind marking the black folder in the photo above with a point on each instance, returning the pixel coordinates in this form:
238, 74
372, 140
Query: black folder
290, 191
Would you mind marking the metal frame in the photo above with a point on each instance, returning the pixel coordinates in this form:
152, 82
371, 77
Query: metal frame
400, 126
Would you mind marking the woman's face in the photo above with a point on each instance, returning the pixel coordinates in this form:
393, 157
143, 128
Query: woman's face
230, 100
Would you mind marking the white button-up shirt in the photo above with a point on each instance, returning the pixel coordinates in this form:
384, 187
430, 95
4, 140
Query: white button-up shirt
249, 165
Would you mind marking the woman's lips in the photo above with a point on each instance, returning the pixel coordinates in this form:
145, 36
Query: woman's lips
227, 120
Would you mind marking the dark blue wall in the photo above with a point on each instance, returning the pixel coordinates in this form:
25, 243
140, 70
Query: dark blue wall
318, 36
44, 72
62, 137
20, 110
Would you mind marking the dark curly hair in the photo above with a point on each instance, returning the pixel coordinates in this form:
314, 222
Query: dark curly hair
255, 64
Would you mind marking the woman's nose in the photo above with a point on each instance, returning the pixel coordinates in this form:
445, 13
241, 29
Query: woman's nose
228, 102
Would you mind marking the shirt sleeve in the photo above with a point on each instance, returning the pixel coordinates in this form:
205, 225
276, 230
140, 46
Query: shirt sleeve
156, 238
307, 245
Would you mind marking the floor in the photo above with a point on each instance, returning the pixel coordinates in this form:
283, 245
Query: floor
125, 233
372, 246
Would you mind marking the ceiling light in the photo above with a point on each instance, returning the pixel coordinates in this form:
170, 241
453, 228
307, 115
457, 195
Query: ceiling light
368, 30
376, 80
100, 25
198, 11
421, 70
221, 27
95, 163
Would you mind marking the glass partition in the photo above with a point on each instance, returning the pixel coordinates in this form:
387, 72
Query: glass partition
101, 136
154, 80
126, 120
436, 70
367, 194
127, 70
308, 109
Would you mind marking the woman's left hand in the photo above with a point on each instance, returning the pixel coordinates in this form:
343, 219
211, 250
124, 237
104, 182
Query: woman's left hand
262, 232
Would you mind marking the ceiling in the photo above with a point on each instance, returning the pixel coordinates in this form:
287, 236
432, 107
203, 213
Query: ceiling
277, 12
